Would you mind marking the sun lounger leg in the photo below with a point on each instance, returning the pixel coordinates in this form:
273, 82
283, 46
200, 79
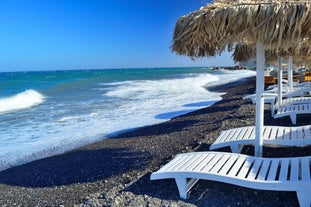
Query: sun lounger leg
293, 118
184, 186
272, 110
236, 148
304, 198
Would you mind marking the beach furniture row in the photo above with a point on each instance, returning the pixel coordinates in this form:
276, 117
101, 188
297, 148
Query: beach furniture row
293, 103
279, 174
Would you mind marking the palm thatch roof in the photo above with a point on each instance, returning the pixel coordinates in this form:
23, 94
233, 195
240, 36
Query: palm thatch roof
278, 25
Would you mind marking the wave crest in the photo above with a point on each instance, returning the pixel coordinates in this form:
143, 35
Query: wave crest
23, 100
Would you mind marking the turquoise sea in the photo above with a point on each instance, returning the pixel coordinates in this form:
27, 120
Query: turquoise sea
49, 112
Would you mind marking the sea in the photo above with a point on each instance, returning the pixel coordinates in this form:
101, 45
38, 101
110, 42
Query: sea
44, 113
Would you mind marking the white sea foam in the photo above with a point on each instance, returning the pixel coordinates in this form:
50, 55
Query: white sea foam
171, 87
152, 101
67, 121
23, 100
68, 118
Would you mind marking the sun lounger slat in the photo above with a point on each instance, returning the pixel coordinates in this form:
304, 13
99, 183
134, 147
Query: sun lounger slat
280, 133
236, 167
273, 134
175, 161
230, 162
284, 170
189, 164
208, 160
287, 134
253, 133
250, 133
220, 163
273, 170
255, 169
263, 173
228, 135
245, 168
295, 169
244, 133
300, 133
200, 162
223, 136
241, 133
235, 133
279, 174
293, 133
266, 132
305, 170
212, 163
307, 133
184, 165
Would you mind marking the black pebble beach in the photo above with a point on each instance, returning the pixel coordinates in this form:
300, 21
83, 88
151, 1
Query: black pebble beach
116, 171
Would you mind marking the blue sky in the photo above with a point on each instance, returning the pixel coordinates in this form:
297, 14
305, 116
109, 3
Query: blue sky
93, 34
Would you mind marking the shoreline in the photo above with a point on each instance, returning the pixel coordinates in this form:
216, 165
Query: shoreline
116, 171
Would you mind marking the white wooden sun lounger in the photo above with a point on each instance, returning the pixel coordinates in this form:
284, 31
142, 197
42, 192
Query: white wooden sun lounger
272, 135
278, 174
286, 94
271, 94
294, 101
269, 98
292, 111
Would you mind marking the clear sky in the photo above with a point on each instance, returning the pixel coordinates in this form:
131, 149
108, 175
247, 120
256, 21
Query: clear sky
93, 34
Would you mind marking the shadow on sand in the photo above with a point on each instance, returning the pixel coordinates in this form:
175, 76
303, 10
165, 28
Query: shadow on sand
74, 167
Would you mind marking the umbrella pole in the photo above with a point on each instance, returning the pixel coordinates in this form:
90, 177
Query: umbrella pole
280, 74
290, 73
260, 82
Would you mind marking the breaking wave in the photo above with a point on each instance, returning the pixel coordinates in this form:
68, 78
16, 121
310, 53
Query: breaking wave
23, 100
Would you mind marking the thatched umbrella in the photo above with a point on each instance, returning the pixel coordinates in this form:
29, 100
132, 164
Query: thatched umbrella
209, 30
222, 24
